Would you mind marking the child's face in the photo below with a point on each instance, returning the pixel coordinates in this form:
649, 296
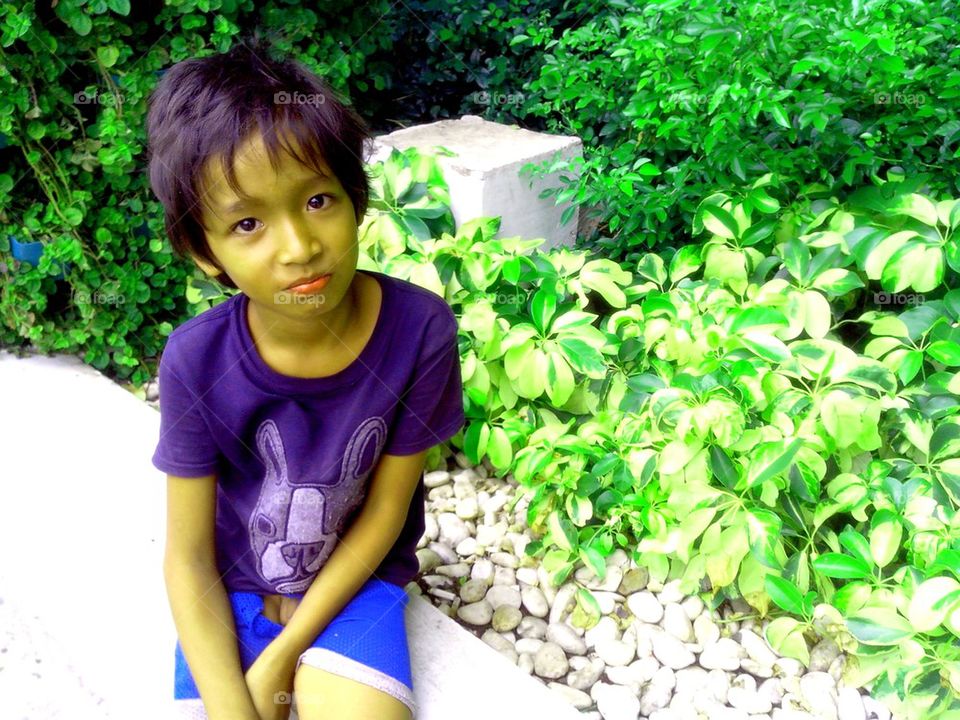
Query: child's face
299, 225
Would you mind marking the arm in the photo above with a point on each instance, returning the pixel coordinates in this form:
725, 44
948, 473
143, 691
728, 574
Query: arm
198, 600
359, 552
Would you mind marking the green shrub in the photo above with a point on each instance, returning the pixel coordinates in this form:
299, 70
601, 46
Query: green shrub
758, 414
675, 99
73, 88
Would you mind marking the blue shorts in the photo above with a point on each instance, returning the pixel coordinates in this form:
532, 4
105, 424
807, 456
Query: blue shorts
366, 642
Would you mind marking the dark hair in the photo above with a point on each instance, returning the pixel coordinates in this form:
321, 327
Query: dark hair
207, 107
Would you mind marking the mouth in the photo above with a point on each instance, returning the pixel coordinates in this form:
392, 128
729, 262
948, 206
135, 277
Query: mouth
308, 285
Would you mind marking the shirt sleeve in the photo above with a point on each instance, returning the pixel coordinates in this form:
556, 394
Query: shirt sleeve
186, 447
430, 410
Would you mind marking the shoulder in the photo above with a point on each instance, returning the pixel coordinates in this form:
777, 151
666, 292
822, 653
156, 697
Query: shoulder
201, 336
422, 311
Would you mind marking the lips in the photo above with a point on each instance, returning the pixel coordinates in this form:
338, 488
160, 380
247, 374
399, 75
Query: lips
304, 282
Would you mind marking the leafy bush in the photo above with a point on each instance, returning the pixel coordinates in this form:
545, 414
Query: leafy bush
757, 415
73, 88
675, 99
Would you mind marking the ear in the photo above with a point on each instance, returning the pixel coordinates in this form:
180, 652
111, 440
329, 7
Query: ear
210, 270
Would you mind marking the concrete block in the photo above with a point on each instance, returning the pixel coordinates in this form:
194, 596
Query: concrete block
484, 177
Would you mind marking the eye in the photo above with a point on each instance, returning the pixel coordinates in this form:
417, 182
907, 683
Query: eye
247, 230
241, 223
322, 195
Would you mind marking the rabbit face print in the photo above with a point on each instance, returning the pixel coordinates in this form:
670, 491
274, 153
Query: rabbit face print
293, 529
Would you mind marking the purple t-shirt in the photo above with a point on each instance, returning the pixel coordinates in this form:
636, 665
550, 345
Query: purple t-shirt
294, 456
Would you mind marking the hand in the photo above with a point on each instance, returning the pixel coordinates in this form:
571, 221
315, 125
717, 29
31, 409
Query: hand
270, 683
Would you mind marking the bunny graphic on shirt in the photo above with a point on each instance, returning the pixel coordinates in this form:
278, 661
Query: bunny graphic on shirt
294, 528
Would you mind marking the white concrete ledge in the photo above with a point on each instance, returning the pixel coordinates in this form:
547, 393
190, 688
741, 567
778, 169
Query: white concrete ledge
82, 526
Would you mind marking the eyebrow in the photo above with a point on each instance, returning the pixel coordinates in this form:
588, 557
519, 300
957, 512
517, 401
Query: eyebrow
254, 200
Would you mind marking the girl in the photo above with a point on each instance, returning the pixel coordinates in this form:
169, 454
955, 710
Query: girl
295, 416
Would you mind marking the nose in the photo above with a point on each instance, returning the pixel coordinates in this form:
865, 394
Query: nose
296, 246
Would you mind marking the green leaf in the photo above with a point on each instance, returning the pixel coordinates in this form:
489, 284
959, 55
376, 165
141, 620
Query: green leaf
108, 55
562, 531
719, 221
763, 534
685, 262
856, 544
886, 533
766, 346
945, 351
879, 626
771, 459
73, 215
763, 202
722, 467
780, 116
583, 357
921, 613
837, 565
121, 7
917, 207
757, 316
836, 282
785, 636
785, 594
542, 308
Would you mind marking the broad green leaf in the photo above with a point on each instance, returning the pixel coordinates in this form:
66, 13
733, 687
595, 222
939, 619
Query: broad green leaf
785, 594
918, 207
583, 357
785, 636
879, 626
562, 531
766, 346
606, 277
757, 316
836, 282
921, 612
763, 534
780, 116
685, 262
885, 535
945, 441
945, 351
877, 260
915, 265
856, 544
763, 202
499, 449
542, 308
771, 459
719, 221
560, 381
796, 258
817, 319
107, 55
837, 565
579, 509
